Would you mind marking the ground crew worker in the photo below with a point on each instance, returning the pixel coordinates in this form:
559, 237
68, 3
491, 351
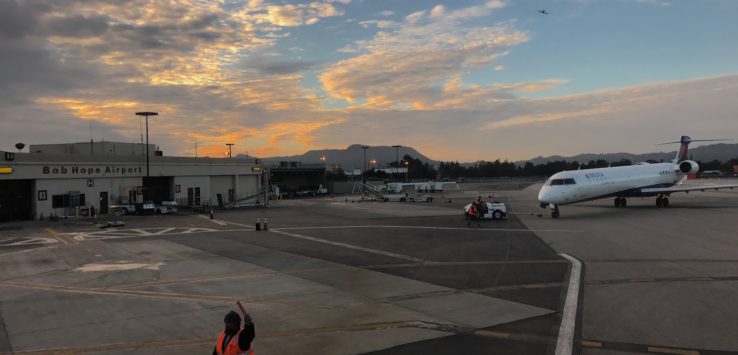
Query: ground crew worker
481, 206
234, 340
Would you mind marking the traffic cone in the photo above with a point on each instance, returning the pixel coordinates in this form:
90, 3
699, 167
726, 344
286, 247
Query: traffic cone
211, 214
266, 226
258, 224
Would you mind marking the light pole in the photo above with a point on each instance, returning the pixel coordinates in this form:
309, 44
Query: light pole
397, 159
229, 149
363, 173
147, 114
407, 168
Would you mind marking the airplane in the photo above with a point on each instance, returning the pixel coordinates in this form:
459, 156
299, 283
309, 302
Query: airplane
543, 11
640, 180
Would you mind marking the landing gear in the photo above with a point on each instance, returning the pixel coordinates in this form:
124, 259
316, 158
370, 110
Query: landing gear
662, 201
620, 202
555, 212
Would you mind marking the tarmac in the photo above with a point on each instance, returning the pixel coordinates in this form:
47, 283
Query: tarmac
366, 277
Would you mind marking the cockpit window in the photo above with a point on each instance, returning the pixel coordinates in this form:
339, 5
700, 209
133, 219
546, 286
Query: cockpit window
561, 182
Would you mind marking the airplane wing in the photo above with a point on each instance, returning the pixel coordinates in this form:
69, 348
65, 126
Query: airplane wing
687, 188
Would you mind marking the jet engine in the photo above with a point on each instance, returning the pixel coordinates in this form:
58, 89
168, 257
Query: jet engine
689, 167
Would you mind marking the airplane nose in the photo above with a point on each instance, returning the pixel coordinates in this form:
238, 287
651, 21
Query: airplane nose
544, 195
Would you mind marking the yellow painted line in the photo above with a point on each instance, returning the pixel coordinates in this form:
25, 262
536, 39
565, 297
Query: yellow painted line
591, 344
159, 295
660, 350
492, 334
60, 237
700, 279
535, 286
642, 280
219, 277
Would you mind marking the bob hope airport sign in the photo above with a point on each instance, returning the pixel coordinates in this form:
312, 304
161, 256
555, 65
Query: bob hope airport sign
107, 170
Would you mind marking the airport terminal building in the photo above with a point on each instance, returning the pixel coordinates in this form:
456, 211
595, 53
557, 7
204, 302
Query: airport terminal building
62, 178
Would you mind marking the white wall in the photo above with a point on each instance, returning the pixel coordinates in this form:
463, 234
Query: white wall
115, 187
220, 185
184, 182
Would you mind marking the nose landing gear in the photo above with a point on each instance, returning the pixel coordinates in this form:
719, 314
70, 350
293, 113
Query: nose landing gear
555, 212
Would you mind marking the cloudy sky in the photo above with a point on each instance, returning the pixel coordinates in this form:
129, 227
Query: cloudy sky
458, 80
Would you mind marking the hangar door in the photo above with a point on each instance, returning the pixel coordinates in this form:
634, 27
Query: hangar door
16, 200
158, 188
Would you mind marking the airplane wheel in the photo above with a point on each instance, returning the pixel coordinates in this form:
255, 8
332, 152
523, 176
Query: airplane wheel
665, 202
659, 202
623, 202
555, 214
617, 201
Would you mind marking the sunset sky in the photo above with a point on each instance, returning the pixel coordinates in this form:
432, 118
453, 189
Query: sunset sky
458, 80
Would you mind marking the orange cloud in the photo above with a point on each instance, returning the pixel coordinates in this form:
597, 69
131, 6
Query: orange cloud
108, 111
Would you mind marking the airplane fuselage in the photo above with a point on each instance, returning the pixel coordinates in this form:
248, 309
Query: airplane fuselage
625, 181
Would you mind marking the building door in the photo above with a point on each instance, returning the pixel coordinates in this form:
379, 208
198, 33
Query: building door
16, 200
190, 196
103, 202
197, 196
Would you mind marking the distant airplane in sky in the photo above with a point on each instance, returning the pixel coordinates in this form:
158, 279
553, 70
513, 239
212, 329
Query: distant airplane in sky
543, 11
640, 180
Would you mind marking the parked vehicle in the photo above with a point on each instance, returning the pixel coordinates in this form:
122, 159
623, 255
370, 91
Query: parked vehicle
495, 210
147, 207
166, 207
122, 209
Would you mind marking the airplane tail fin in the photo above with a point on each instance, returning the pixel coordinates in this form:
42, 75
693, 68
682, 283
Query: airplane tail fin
684, 145
682, 153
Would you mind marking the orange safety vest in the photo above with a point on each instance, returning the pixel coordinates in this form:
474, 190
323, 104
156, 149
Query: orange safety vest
232, 347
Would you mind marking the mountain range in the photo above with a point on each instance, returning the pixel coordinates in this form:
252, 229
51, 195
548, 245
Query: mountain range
353, 158
722, 152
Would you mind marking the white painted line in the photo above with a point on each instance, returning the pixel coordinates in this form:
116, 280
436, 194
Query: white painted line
146, 232
216, 221
253, 226
31, 241
349, 246
564, 345
444, 228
